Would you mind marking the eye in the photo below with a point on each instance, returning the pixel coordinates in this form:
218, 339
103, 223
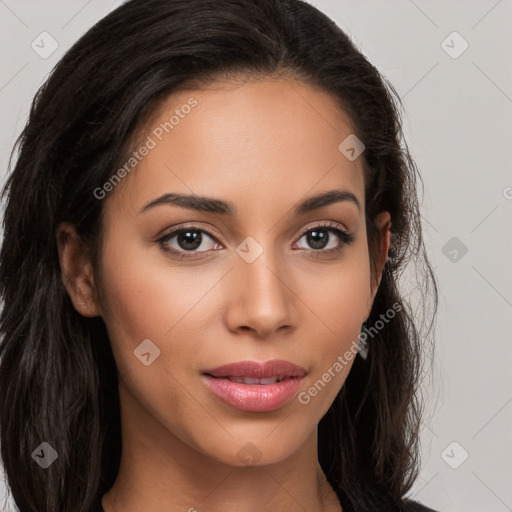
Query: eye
188, 239
319, 239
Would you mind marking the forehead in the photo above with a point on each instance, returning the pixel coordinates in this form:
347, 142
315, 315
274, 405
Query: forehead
263, 142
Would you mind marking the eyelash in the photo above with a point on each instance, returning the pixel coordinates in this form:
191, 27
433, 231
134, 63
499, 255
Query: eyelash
345, 237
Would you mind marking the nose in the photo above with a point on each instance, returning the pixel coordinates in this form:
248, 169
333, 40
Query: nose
261, 297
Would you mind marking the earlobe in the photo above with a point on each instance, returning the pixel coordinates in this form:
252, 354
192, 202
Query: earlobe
76, 269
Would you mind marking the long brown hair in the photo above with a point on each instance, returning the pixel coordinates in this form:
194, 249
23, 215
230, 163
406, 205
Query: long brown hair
57, 373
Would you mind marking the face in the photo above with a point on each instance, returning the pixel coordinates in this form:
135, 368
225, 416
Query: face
266, 276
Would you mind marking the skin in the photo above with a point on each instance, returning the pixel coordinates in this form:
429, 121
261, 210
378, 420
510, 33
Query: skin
264, 146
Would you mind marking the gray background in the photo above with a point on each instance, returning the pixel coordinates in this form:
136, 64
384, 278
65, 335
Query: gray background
458, 116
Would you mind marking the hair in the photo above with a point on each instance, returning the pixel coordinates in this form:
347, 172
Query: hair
58, 378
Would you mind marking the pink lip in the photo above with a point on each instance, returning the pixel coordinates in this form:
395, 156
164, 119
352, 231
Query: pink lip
255, 397
258, 370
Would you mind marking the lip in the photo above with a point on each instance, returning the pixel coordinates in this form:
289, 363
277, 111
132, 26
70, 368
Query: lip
258, 370
255, 397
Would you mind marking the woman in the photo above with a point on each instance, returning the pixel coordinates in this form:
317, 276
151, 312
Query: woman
203, 234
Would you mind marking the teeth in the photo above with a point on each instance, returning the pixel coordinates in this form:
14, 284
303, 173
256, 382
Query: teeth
250, 380
253, 381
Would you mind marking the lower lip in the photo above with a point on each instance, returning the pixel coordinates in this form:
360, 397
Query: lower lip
256, 397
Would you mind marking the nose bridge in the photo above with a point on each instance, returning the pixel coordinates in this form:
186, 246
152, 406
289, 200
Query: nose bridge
260, 282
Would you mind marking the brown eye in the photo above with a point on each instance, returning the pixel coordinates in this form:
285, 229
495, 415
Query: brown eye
319, 237
188, 239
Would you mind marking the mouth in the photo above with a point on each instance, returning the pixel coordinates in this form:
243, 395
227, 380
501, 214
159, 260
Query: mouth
254, 372
255, 386
253, 381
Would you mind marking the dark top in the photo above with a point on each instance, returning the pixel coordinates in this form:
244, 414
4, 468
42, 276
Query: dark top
413, 506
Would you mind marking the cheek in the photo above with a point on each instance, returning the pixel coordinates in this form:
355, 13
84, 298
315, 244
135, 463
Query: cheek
157, 302
342, 301
339, 295
146, 297
339, 306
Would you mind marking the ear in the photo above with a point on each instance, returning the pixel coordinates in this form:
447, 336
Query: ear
383, 223
76, 269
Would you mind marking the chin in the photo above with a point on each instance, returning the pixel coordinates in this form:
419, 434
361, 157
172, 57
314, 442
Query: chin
257, 451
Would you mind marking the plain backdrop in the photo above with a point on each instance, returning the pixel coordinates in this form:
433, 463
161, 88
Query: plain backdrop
450, 62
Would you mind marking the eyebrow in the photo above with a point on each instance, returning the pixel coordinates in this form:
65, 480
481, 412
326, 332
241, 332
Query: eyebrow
212, 205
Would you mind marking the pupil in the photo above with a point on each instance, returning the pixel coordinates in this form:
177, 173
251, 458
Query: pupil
317, 243
193, 238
